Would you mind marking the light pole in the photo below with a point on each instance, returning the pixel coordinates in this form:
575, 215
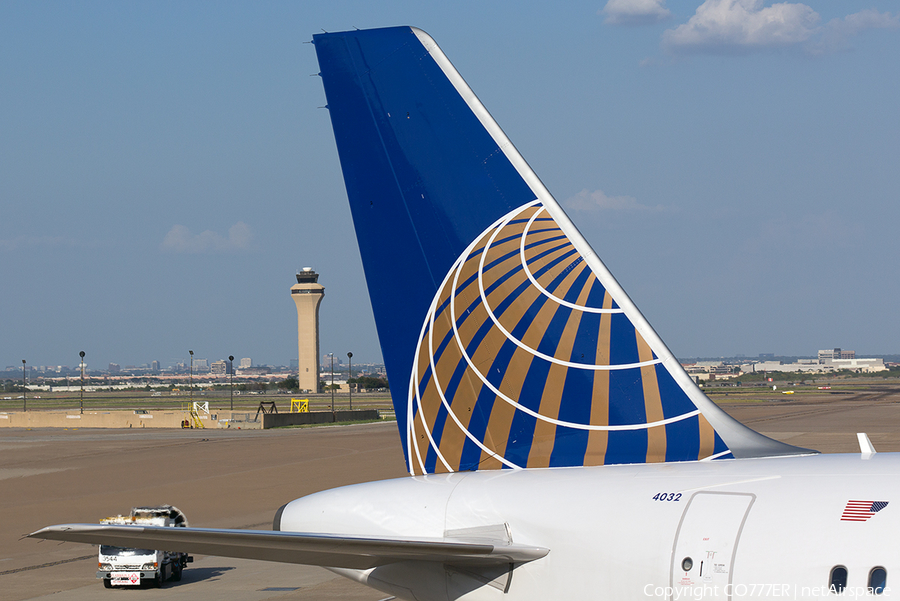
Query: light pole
191, 380
332, 383
231, 373
81, 354
24, 393
349, 385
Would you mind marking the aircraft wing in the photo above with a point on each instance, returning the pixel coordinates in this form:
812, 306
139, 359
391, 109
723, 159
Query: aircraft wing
327, 550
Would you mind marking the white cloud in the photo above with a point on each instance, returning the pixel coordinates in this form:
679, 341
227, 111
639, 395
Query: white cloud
836, 34
599, 201
635, 12
722, 26
181, 240
730, 25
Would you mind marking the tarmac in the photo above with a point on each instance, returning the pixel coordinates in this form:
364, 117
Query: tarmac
218, 478
827, 422
238, 478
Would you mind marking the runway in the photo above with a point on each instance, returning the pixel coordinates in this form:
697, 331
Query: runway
238, 478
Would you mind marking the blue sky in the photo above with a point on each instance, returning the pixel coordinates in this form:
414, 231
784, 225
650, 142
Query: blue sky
165, 168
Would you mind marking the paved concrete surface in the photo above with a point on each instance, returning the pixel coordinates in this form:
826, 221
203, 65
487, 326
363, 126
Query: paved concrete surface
827, 422
237, 479
219, 478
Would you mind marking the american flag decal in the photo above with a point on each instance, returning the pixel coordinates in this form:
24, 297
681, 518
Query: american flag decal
860, 511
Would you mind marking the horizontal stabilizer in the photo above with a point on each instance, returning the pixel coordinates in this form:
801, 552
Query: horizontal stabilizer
327, 550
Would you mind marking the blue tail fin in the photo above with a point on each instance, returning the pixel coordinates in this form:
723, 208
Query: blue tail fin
507, 342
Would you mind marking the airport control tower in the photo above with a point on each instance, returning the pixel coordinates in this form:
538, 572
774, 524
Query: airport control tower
307, 294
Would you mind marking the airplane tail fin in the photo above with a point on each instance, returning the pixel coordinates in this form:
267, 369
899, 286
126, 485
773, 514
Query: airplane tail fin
507, 342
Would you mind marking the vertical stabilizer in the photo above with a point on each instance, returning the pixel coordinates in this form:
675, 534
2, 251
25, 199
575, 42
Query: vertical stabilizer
507, 342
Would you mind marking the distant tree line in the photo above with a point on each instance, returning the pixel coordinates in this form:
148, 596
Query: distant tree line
289, 383
804, 377
369, 383
12, 386
363, 383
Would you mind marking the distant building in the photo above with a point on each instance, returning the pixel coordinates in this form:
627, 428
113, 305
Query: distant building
865, 365
154, 366
201, 365
709, 370
829, 355
114, 368
219, 368
813, 365
245, 363
339, 384
767, 366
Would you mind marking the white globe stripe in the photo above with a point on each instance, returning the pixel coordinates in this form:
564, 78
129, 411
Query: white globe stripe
527, 348
497, 392
414, 395
534, 282
429, 323
456, 269
422, 413
410, 431
717, 455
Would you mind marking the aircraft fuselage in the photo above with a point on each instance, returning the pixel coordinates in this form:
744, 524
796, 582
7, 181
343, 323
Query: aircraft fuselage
750, 528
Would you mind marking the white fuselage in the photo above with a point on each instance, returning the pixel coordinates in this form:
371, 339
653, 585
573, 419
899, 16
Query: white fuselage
756, 528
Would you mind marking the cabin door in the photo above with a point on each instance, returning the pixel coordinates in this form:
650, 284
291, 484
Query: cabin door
706, 543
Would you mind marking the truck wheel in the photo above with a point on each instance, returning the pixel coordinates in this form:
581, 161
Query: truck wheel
176, 572
107, 583
158, 581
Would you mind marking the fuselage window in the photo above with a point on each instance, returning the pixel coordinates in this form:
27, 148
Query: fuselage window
877, 580
838, 579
